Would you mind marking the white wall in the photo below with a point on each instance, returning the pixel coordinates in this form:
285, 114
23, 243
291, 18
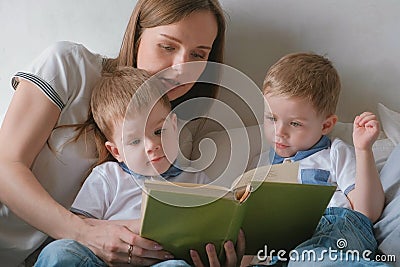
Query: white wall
28, 27
361, 37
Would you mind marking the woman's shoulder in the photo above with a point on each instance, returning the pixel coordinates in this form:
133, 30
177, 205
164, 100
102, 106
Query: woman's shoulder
63, 70
67, 48
68, 56
65, 56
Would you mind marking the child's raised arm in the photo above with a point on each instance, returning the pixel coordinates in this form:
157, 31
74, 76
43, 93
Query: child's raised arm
368, 196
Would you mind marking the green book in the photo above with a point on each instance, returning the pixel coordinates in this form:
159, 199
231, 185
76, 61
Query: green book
274, 210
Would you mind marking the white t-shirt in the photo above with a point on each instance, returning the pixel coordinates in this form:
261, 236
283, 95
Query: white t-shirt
335, 165
65, 73
110, 193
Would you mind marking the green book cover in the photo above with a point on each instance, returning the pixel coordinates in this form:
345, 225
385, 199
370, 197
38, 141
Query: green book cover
280, 216
275, 211
183, 221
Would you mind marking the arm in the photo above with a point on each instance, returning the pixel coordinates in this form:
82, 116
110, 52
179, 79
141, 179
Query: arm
368, 196
26, 127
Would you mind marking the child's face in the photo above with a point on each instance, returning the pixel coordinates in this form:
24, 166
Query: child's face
148, 147
294, 124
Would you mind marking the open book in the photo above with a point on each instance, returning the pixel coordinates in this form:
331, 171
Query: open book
270, 205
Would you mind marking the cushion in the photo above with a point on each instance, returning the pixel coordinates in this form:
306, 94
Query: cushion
390, 120
387, 228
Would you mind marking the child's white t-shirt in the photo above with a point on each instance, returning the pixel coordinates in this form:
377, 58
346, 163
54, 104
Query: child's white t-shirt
335, 165
110, 193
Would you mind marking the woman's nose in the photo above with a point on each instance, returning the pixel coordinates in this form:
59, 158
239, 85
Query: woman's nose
179, 62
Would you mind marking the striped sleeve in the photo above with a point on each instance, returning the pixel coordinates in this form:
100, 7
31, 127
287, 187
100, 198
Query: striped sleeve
42, 84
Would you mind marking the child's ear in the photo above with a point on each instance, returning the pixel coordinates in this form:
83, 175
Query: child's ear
113, 149
329, 123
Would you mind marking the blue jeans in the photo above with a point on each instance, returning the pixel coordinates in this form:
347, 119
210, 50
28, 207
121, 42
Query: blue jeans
343, 237
66, 252
69, 253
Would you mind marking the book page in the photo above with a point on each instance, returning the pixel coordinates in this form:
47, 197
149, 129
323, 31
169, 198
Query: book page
280, 173
192, 194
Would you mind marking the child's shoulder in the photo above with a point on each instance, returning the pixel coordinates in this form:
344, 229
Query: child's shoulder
109, 168
338, 143
341, 151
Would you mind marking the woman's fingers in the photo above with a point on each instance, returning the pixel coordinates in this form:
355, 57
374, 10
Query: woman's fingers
212, 255
240, 246
196, 258
231, 257
116, 244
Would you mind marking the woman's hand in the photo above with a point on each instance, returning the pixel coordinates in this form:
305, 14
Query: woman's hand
118, 242
233, 256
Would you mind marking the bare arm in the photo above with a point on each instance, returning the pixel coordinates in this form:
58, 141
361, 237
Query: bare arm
25, 130
368, 196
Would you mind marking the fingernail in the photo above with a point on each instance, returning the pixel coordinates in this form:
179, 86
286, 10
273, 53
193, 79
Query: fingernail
209, 247
158, 247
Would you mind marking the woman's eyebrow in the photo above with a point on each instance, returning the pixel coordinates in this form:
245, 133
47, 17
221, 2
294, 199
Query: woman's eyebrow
160, 120
180, 42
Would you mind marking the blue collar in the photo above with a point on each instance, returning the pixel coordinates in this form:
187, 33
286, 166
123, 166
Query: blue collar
323, 143
171, 172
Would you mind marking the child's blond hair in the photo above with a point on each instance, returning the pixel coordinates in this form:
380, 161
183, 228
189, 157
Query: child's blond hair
114, 93
308, 76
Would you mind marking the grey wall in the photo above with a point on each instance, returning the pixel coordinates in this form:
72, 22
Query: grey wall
361, 37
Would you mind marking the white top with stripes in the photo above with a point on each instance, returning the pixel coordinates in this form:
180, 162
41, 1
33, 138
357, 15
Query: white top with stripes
65, 73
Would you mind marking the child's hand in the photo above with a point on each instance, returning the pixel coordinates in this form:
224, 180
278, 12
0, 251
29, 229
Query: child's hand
365, 131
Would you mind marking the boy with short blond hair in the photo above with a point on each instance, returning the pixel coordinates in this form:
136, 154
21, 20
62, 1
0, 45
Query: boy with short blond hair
302, 92
136, 135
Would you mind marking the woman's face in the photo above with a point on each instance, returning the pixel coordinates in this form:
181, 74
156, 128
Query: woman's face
187, 40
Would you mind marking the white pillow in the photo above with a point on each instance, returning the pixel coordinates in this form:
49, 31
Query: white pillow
390, 123
344, 131
382, 149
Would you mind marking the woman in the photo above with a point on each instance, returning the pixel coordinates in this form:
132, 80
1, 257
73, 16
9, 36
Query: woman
42, 173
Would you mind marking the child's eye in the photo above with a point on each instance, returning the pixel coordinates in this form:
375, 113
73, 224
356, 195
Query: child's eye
295, 124
159, 131
270, 118
135, 142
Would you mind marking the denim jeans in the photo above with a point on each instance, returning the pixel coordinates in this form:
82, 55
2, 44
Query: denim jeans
69, 253
65, 252
343, 237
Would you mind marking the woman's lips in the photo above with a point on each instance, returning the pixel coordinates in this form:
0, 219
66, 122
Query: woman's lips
170, 83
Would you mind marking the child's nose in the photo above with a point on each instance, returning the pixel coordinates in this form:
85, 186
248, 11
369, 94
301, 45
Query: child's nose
152, 144
280, 130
